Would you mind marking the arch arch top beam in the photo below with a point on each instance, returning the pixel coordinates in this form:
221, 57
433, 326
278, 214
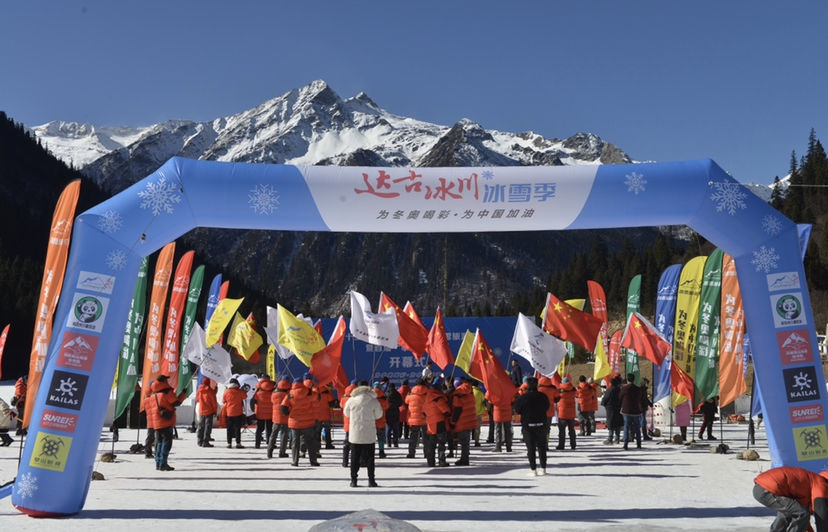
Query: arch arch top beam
110, 240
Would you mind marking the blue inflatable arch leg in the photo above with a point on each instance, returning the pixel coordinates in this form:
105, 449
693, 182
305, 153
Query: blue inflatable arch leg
110, 240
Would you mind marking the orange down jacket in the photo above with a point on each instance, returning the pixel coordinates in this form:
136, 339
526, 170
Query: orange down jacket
206, 398
276, 399
546, 387
233, 401
415, 400
464, 413
437, 411
300, 407
566, 405
587, 397
262, 406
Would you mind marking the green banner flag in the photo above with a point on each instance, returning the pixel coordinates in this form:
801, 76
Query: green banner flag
128, 363
633, 305
707, 336
185, 368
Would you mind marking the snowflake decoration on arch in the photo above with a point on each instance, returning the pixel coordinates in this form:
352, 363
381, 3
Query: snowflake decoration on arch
635, 182
263, 199
110, 222
159, 196
765, 259
728, 197
771, 224
26, 486
487, 174
116, 260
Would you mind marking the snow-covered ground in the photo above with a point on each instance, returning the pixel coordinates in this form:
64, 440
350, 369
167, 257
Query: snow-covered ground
595, 487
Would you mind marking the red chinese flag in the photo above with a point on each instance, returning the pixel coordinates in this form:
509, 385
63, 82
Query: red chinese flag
413, 335
680, 382
326, 362
438, 346
498, 385
641, 337
570, 324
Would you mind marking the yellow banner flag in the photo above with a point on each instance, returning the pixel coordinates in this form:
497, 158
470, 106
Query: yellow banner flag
299, 336
244, 337
270, 362
221, 318
602, 366
464, 354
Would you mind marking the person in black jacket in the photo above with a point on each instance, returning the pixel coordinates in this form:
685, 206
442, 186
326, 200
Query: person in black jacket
392, 416
631, 410
612, 403
532, 407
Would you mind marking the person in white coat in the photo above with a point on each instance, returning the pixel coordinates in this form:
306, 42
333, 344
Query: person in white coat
363, 409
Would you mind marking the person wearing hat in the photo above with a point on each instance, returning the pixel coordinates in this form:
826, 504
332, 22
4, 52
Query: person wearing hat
233, 401
280, 420
464, 417
437, 415
161, 414
380, 422
587, 403
415, 401
363, 409
502, 415
566, 414
532, 407
346, 423
392, 415
298, 405
795, 494
207, 408
263, 410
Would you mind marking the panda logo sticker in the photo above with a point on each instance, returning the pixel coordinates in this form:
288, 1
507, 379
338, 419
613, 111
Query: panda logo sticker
787, 310
88, 312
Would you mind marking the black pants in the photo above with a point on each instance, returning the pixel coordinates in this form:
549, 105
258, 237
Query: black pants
564, 426
362, 453
234, 425
535, 439
790, 515
415, 435
435, 444
205, 428
305, 436
263, 429
464, 439
278, 435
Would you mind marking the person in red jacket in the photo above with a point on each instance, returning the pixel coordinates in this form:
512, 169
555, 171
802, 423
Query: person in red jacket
207, 408
280, 420
233, 401
326, 402
795, 494
566, 414
437, 414
587, 404
298, 405
502, 415
404, 390
380, 422
548, 388
464, 417
161, 414
415, 401
346, 421
263, 409
19, 401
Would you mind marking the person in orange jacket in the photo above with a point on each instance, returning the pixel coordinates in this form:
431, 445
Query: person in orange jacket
326, 402
298, 405
207, 408
566, 414
437, 414
263, 409
795, 494
404, 390
161, 414
464, 417
548, 388
502, 415
19, 401
587, 403
346, 445
415, 401
280, 420
380, 422
233, 401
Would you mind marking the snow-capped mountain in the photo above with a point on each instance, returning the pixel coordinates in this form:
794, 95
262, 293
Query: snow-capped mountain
311, 125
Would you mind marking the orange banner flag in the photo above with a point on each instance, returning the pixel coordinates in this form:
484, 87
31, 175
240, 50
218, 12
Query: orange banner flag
731, 370
57, 252
158, 300
175, 318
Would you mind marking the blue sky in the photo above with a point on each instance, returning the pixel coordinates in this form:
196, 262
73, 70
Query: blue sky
740, 82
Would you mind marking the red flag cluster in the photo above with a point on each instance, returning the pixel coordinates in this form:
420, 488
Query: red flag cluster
413, 334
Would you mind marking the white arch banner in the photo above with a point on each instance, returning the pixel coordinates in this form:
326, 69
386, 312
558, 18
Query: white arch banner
110, 240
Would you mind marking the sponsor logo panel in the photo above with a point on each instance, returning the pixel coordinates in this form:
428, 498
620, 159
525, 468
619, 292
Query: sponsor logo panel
783, 281
794, 347
77, 351
50, 451
806, 414
59, 421
96, 282
811, 443
801, 384
787, 310
88, 312
66, 390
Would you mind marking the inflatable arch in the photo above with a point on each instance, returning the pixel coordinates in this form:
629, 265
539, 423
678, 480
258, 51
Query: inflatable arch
110, 240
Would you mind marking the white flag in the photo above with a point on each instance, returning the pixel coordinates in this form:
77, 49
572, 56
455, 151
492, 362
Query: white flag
272, 331
195, 348
542, 350
376, 329
216, 364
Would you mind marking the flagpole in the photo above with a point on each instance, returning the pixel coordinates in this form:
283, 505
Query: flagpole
751, 427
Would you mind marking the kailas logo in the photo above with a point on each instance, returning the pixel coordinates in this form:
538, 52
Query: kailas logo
794, 347
801, 384
787, 310
66, 390
96, 282
783, 281
77, 351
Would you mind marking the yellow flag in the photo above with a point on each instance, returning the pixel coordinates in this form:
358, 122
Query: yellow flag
270, 362
602, 366
220, 319
298, 335
244, 337
464, 354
